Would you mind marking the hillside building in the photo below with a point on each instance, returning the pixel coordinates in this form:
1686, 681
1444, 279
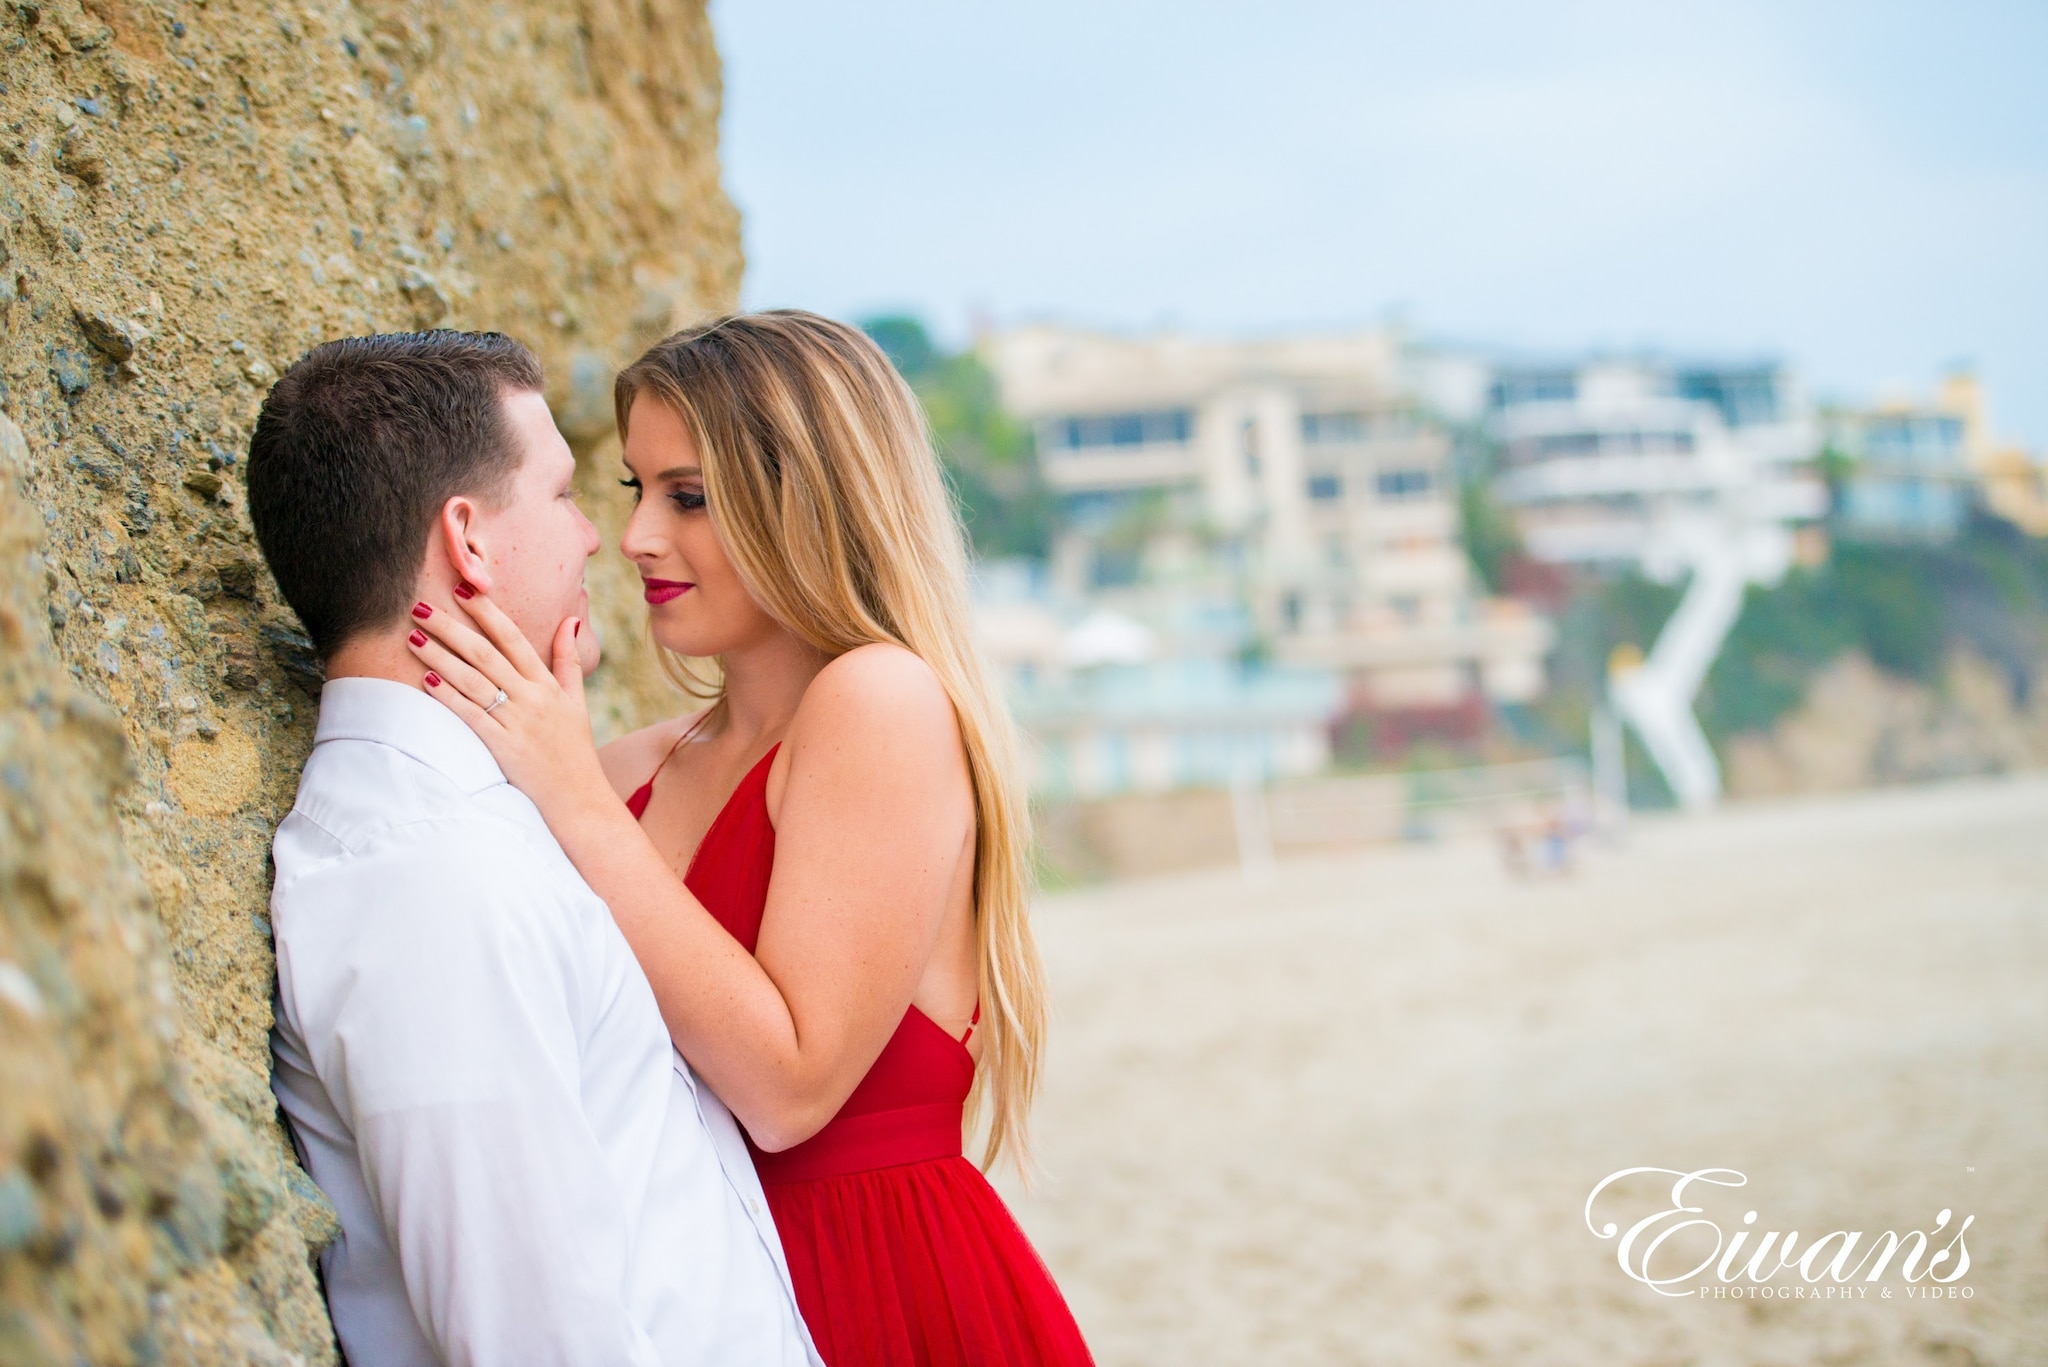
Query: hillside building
1915, 470
1299, 475
1598, 459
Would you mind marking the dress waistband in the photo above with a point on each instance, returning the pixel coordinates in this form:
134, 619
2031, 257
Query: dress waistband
861, 1143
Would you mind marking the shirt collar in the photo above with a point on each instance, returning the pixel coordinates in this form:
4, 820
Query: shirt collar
394, 714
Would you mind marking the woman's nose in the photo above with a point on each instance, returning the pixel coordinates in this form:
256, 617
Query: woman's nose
633, 539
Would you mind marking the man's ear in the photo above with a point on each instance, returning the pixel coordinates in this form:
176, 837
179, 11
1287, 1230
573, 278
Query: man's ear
461, 528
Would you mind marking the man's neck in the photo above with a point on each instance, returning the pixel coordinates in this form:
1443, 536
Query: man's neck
376, 655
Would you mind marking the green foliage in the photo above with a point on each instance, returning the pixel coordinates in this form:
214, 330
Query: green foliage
1489, 533
1784, 636
1905, 607
1604, 614
990, 459
1889, 600
1835, 467
1485, 526
909, 347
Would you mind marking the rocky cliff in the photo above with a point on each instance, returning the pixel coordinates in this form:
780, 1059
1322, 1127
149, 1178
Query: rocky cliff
193, 192
1860, 727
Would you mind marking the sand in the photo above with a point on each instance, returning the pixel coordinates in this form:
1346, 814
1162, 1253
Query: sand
1353, 1114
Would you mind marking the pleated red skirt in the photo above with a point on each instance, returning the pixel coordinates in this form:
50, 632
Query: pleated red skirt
919, 1263
901, 1253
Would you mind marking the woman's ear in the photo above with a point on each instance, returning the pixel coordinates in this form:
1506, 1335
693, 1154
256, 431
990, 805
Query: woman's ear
461, 527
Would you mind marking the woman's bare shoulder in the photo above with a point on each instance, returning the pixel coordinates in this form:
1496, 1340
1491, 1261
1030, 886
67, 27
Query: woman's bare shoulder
882, 691
877, 728
629, 760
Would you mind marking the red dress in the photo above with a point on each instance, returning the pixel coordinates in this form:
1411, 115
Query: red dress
900, 1250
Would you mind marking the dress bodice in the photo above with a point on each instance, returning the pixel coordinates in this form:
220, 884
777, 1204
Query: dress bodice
899, 1249
908, 1107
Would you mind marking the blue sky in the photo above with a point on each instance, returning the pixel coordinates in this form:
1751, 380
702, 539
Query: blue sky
1861, 189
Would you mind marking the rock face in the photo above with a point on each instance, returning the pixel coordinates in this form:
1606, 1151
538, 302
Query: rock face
1861, 728
194, 191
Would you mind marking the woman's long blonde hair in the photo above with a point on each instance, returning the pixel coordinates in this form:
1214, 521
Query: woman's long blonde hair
821, 479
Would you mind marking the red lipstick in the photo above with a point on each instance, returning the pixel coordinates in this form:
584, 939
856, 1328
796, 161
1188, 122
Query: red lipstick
658, 591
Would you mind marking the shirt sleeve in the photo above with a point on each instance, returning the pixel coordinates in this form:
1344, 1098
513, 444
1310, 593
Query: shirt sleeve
457, 1042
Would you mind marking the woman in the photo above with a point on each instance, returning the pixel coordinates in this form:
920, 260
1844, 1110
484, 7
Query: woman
840, 947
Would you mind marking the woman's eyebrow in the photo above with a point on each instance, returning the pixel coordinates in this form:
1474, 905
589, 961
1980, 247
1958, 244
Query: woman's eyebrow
681, 472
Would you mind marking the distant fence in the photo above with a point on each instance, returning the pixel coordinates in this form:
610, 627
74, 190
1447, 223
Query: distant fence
1375, 808
1253, 824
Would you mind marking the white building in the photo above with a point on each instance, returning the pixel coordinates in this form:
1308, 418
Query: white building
1300, 474
1599, 458
1699, 474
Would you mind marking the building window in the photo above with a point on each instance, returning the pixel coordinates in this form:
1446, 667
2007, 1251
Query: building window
1629, 442
1402, 484
1534, 386
1164, 426
1663, 443
1742, 396
1932, 442
1097, 511
1568, 444
1325, 487
1320, 428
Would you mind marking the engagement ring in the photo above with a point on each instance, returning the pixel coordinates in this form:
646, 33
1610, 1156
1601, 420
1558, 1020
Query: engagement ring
498, 702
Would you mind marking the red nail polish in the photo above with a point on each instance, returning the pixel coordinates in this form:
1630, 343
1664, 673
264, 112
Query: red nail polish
418, 638
577, 630
463, 590
433, 679
422, 611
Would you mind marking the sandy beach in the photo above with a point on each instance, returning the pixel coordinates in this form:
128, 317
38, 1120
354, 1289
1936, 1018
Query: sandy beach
1353, 1113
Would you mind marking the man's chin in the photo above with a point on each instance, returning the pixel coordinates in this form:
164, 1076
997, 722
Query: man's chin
589, 648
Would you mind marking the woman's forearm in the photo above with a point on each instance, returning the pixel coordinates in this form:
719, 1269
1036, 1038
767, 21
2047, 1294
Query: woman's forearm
724, 1011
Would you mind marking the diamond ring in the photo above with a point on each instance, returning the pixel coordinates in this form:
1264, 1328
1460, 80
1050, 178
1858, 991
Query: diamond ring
498, 702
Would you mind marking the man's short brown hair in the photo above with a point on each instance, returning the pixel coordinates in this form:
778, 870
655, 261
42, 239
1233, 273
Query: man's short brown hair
359, 445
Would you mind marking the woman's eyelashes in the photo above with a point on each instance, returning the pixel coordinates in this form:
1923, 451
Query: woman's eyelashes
689, 500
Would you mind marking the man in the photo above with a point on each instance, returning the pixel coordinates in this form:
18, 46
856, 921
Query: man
471, 1061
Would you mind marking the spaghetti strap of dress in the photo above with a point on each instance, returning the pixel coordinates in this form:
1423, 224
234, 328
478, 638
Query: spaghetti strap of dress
637, 803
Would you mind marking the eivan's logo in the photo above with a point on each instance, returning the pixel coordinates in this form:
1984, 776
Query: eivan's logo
1821, 1270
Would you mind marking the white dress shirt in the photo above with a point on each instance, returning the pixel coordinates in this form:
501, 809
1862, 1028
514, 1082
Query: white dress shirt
476, 1074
